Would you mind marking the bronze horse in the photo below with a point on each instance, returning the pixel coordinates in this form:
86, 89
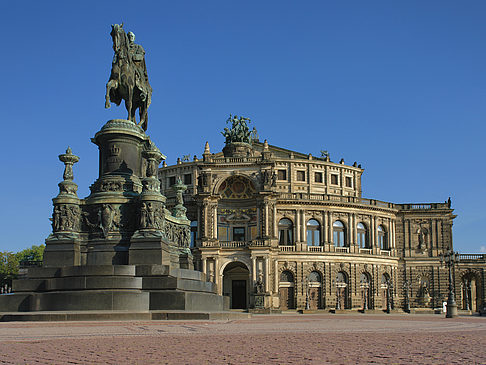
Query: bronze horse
123, 83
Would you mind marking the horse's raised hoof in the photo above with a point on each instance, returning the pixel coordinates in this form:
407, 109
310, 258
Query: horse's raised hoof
107, 104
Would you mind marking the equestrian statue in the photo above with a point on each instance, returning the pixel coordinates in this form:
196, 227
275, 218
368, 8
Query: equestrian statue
128, 79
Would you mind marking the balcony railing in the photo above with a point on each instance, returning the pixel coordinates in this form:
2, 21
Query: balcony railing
236, 244
335, 198
365, 251
287, 248
236, 159
472, 257
315, 248
422, 206
385, 252
341, 249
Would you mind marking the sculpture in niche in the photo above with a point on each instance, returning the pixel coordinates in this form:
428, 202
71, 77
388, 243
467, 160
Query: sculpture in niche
259, 286
422, 234
274, 179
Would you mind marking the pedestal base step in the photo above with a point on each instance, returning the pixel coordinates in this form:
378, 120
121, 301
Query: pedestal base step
61, 316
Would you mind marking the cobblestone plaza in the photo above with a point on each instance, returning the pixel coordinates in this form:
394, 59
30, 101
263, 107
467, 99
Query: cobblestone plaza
262, 339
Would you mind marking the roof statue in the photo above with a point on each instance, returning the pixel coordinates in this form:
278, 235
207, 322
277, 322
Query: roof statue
239, 131
128, 78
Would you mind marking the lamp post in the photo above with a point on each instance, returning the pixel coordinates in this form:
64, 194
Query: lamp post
449, 258
467, 287
307, 294
406, 287
338, 284
389, 288
365, 285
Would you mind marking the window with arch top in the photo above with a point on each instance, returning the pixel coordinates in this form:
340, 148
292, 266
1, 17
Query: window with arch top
339, 236
362, 236
382, 238
313, 233
285, 232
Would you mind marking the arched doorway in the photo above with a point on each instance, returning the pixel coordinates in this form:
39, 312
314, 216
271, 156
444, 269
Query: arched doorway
386, 292
365, 286
470, 288
341, 283
314, 290
236, 280
286, 290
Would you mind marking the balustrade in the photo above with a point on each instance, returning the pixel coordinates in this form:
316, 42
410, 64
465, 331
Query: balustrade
341, 249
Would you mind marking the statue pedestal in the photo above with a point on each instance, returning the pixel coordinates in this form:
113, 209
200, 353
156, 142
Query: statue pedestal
237, 149
62, 251
147, 249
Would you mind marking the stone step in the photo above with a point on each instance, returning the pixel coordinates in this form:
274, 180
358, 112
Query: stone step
169, 282
88, 270
49, 316
192, 301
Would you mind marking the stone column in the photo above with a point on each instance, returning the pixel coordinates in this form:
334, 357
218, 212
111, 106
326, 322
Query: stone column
254, 270
217, 276
373, 235
260, 232
267, 274
265, 218
303, 227
325, 227
215, 221
297, 226
275, 224
205, 267
275, 284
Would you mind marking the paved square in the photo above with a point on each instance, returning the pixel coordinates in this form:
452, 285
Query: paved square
263, 339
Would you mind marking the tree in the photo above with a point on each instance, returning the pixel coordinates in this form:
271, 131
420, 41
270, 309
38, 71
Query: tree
10, 262
35, 253
9, 267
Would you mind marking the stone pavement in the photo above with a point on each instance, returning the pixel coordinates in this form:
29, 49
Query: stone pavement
263, 339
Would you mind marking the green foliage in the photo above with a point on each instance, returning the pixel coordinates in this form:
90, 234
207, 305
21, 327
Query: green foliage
34, 253
10, 262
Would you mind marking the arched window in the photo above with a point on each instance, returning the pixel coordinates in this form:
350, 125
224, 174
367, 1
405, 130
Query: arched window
313, 233
385, 280
362, 236
341, 278
285, 232
364, 280
286, 277
193, 233
382, 239
338, 234
315, 277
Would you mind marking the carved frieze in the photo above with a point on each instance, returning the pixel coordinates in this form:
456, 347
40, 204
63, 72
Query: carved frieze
66, 217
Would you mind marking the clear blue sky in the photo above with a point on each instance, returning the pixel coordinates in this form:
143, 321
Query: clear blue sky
399, 86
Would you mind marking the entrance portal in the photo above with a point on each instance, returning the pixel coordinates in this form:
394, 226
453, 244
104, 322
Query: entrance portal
236, 278
238, 297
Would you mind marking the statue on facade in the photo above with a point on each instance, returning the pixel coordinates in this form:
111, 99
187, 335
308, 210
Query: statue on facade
259, 285
128, 79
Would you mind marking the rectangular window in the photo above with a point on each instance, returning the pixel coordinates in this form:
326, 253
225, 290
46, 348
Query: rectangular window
318, 177
282, 174
349, 182
172, 180
300, 175
187, 179
334, 179
238, 233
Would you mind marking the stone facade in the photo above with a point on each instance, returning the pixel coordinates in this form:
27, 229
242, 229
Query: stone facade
296, 228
